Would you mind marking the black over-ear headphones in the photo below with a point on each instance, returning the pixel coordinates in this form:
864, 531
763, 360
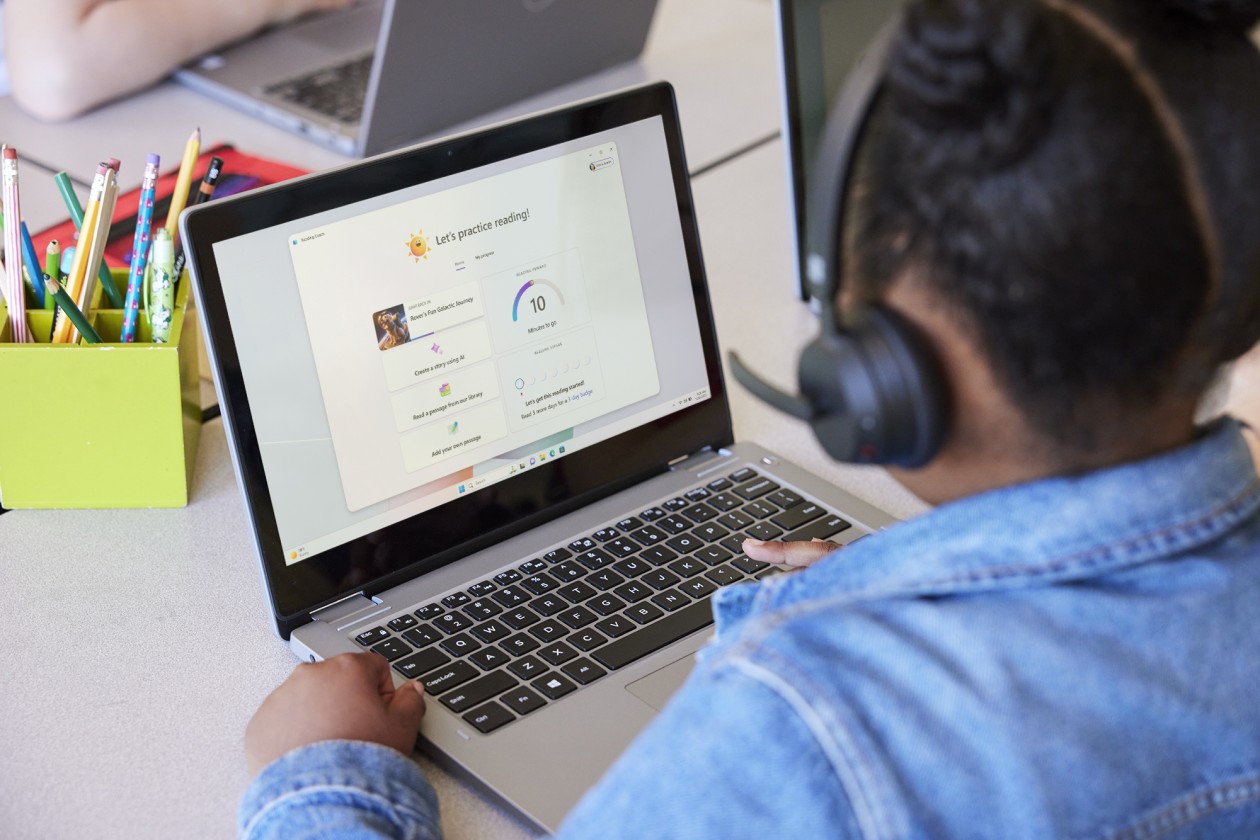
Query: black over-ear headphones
870, 388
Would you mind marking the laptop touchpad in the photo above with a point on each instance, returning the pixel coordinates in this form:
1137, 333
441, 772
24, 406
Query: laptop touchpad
657, 687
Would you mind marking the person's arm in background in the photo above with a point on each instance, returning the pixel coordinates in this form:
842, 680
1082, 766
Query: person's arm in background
66, 56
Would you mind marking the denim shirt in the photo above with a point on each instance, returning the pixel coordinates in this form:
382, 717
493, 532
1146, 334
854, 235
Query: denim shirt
1074, 657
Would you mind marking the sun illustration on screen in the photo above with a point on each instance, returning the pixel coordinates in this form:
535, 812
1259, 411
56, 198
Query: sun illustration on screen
418, 246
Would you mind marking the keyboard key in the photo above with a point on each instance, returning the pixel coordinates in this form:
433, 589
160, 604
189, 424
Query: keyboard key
586, 640
759, 510
795, 517
391, 649
621, 652
447, 677
735, 520
629, 524
557, 653
670, 600
651, 514
481, 609
710, 532
577, 617
511, 596
583, 670
643, 613
734, 543
492, 631
621, 547
429, 611
450, 623
456, 599
697, 494
481, 590
658, 555
605, 579
632, 591
538, 584
821, 529
422, 635
519, 644
519, 618
697, 588
648, 535
373, 636
723, 575
577, 592
674, 505
567, 571
487, 659
713, 554
686, 567
605, 534
584, 544
522, 700
478, 691
617, 625
719, 484
747, 565
508, 577
548, 605
764, 531
699, 513
660, 579
461, 644
489, 717
785, 498
557, 555
725, 502
605, 604
594, 559
553, 686
402, 623
421, 663
532, 567
674, 524
631, 567
548, 631
528, 667
742, 475
683, 543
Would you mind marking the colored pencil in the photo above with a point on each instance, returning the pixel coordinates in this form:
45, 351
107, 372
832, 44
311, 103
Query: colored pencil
71, 199
52, 268
73, 313
34, 271
75, 278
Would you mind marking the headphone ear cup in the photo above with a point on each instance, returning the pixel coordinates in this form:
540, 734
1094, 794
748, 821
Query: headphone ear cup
878, 391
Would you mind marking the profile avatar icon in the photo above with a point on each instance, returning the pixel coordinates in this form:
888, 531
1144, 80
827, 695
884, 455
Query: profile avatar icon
391, 327
418, 246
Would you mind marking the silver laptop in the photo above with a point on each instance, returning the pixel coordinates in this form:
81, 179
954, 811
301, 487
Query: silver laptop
389, 72
474, 401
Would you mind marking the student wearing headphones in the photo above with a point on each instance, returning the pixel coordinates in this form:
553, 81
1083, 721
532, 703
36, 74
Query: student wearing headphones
1043, 252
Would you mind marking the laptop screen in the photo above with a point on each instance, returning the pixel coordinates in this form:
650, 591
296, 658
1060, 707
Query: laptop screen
426, 349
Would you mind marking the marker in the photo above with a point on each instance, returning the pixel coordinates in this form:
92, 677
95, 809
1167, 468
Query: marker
159, 297
140, 248
74, 313
15, 294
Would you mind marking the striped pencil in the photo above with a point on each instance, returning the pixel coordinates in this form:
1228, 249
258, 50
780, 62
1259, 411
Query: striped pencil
140, 248
15, 295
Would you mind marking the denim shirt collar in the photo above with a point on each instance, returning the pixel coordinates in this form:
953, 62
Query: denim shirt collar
1047, 531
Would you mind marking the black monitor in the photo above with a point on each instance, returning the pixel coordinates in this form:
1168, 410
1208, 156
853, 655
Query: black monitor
820, 41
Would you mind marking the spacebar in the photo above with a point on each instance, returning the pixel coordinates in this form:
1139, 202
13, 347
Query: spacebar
655, 636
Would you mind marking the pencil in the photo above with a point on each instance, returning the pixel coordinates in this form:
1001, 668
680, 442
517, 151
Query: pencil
183, 183
140, 248
66, 188
74, 313
34, 272
52, 268
204, 193
15, 294
100, 236
75, 278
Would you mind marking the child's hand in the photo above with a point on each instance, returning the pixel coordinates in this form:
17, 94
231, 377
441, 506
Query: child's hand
349, 697
795, 554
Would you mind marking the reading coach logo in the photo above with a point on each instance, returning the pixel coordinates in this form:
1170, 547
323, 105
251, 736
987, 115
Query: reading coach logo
418, 246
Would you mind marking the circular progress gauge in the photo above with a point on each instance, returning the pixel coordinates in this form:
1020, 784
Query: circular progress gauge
537, 303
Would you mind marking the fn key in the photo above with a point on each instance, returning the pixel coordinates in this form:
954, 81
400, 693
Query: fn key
489, 717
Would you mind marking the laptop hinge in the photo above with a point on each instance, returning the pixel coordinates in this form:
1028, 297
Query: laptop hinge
686, 462
349, 611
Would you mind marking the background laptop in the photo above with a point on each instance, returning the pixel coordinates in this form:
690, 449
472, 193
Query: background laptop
387, 73
820, 42
474, 400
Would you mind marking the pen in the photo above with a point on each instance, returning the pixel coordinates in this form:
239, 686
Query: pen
15, 294
74, 313
183, 183
159, 297
66, 188
140, 248
52, 268
204, 193
34, 273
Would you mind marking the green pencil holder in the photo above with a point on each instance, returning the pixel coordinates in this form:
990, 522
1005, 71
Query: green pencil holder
108, 425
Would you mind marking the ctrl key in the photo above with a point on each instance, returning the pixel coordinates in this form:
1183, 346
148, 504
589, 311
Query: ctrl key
489, 717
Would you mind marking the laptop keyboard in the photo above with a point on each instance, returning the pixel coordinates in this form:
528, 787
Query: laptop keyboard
539, 630
337, 92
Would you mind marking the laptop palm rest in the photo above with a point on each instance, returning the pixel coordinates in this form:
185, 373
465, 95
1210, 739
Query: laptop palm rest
657, 687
